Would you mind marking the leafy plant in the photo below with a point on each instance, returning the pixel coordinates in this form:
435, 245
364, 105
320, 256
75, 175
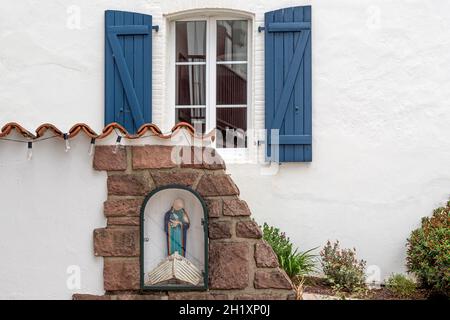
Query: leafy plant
428, 254
294, 262
341, 268
401, 286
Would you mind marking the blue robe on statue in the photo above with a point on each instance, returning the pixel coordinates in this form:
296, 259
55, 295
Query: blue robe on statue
176, 232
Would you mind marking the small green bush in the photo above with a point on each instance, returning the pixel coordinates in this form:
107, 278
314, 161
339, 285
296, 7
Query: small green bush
295, 263
401, 286
428, 254
341, 268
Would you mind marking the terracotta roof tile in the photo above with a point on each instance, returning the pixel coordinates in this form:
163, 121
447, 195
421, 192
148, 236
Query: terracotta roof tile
109, 129
7, 128
42, 129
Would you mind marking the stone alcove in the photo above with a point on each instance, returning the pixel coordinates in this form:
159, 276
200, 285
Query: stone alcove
241, 265
154, 249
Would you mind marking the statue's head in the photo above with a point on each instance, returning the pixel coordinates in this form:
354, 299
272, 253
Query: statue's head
178, 204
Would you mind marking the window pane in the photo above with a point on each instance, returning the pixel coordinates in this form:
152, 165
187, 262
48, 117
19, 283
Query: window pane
232, 40
190, 85
231, 84
194, 116
231, 127
190, 41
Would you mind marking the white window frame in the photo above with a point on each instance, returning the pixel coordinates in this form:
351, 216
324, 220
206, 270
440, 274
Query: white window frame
211, 62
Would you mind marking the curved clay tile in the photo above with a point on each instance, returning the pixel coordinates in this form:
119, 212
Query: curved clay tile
84, 128
42, 129
147, 127
184, 125
191, 131
109, 129
7, 128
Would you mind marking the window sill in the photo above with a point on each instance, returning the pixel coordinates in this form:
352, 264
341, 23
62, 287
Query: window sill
234, 155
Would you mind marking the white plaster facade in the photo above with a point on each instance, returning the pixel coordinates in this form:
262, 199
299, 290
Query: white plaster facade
381, 131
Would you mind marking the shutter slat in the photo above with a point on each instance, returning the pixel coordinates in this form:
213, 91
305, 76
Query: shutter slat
128, 53
138, 58
147, 72
119, 114
308, 88
288, 43
279, 71
298, 96
288, 83
109, 75
128, 69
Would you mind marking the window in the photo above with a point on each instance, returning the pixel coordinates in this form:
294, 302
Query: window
190, 80
211, 77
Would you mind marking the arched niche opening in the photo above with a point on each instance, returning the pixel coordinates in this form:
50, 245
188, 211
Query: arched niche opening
174, 240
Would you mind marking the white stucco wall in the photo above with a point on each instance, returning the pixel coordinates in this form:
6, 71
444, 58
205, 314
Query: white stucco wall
49, 209
381, 133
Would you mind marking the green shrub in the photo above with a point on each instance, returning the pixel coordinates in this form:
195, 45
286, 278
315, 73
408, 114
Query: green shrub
401, 286
341, 268
295, 263
428, 254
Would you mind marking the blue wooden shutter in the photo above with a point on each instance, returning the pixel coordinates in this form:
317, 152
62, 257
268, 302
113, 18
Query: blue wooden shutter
128, 69
288, 83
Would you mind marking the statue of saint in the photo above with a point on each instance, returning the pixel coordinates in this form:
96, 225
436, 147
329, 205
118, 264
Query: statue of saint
176, 222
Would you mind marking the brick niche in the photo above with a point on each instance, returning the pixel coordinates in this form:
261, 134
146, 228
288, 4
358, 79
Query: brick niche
241, 264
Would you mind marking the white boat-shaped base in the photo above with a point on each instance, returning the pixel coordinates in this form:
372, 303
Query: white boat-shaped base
175, 269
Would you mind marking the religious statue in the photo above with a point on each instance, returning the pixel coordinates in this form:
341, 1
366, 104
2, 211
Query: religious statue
176, 223
175, 269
